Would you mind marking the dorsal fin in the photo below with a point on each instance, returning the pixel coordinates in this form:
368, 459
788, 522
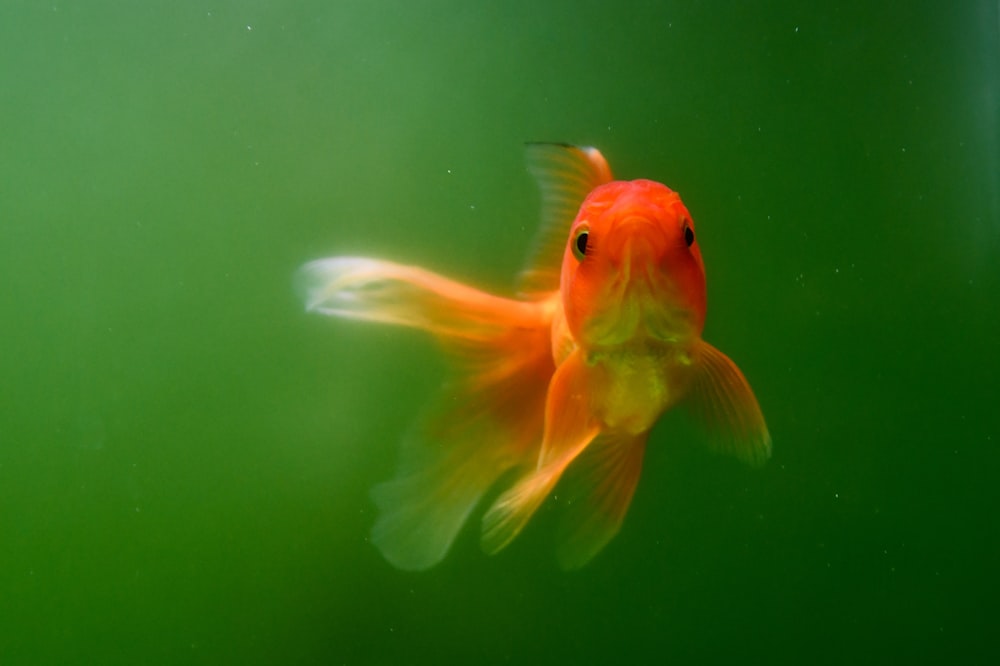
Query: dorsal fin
565, 174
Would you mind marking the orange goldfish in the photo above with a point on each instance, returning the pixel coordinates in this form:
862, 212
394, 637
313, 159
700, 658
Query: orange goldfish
560, 384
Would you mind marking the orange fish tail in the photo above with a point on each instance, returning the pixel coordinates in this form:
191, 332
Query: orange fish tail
486, 420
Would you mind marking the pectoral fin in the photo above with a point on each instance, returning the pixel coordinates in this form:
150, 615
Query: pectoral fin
721, 398
596, 493
569, 428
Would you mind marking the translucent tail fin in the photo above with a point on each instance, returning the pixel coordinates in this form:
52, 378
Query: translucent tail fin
487, 420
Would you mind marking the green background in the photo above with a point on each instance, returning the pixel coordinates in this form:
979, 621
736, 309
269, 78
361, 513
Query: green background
185, 455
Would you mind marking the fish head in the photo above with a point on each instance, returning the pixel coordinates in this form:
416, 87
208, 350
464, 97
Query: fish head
632, 269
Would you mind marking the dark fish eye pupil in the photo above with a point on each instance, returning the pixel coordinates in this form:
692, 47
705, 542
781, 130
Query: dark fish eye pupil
581, 242
688, 235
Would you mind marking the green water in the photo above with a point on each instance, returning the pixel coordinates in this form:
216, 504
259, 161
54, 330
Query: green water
185, 455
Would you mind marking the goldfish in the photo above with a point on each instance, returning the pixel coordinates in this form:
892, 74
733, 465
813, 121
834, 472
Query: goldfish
559, 384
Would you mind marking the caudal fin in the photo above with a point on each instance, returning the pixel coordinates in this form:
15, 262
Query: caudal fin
391, 293
488, 419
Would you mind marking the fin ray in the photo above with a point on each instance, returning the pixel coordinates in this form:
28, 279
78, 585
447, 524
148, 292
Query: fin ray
441, 476
568, 430
488, 419
391, 293
722, 400
478, 428
596, 493
565, 174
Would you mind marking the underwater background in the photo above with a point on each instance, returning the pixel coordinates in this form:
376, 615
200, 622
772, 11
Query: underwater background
186, 455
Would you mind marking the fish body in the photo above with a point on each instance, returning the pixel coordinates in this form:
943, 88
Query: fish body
561, 383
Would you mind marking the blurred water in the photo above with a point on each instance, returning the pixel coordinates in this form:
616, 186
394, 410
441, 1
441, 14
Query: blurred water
185, 456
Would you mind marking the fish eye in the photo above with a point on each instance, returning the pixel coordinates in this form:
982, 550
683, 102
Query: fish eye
688, 234
580, 243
